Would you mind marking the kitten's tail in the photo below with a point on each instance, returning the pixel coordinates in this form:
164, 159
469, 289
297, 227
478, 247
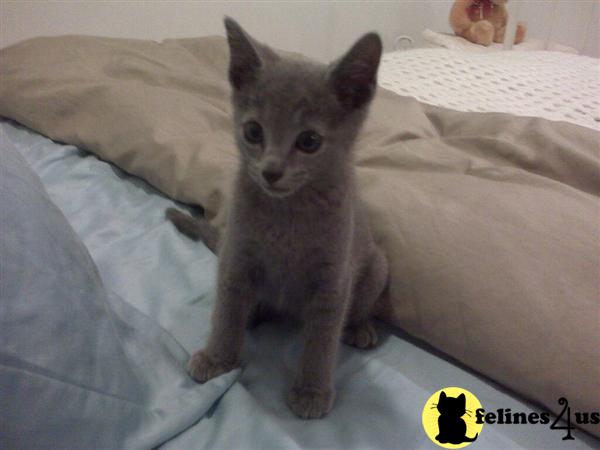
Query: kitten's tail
468, 439
197, 229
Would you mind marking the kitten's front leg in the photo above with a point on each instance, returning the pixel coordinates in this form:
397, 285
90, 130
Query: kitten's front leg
312, 393
235, 294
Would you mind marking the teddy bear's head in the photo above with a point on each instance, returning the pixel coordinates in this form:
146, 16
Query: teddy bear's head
482, 21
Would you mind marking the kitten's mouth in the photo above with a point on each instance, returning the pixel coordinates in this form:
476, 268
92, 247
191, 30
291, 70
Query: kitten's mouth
275, 191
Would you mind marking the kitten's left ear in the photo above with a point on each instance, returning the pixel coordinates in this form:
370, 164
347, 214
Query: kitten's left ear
244, 60
354, 78
462, 399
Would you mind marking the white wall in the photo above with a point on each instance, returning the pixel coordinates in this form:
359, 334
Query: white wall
322, 29
294, 25
575, 23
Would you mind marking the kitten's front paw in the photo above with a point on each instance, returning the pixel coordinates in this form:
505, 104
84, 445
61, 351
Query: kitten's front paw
362, 335
203, 368
310, 403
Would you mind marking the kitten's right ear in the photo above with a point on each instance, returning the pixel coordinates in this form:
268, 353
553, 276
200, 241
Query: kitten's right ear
442, 396
354, 77
244, 61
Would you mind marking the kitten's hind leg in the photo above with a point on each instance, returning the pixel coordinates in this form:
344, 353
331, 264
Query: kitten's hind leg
361, 335
360, 331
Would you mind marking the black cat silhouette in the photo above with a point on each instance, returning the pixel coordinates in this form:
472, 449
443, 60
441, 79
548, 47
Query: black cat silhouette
452, 428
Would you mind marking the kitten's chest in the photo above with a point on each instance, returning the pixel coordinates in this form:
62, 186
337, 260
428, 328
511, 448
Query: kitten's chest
295, 245
293, 250
290, 243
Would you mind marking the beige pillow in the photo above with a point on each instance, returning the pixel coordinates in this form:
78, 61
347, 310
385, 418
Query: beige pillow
489, 221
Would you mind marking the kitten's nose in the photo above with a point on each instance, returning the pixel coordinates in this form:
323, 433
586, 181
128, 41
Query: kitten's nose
272, 175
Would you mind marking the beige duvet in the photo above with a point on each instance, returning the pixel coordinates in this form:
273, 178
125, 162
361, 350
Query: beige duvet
491, 223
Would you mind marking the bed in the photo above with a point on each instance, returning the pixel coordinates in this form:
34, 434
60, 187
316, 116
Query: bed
153, 289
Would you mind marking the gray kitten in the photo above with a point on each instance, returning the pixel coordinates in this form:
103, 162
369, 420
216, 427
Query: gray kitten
297, 240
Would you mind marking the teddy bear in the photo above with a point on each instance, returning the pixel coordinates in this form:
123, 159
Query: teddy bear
482, 21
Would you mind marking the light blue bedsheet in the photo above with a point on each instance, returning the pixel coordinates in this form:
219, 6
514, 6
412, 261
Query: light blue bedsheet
381, 393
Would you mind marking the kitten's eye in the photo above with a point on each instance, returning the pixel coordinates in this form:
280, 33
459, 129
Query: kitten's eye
253, 132
309, 141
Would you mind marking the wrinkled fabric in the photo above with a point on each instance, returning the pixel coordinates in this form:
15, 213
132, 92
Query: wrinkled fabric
381, 393
79, 367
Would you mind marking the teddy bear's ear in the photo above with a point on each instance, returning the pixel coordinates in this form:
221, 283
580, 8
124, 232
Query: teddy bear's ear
353, 78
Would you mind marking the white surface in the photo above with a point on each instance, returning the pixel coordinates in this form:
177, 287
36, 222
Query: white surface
321, 29
454, 42
552, 85
512, 9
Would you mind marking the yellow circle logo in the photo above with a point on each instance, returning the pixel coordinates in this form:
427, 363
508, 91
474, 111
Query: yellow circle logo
449, 418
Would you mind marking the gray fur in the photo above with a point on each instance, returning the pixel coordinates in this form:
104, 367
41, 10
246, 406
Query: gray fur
300, 246
194, 228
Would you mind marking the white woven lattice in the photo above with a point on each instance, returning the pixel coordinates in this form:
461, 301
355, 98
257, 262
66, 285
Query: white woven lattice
552, 85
